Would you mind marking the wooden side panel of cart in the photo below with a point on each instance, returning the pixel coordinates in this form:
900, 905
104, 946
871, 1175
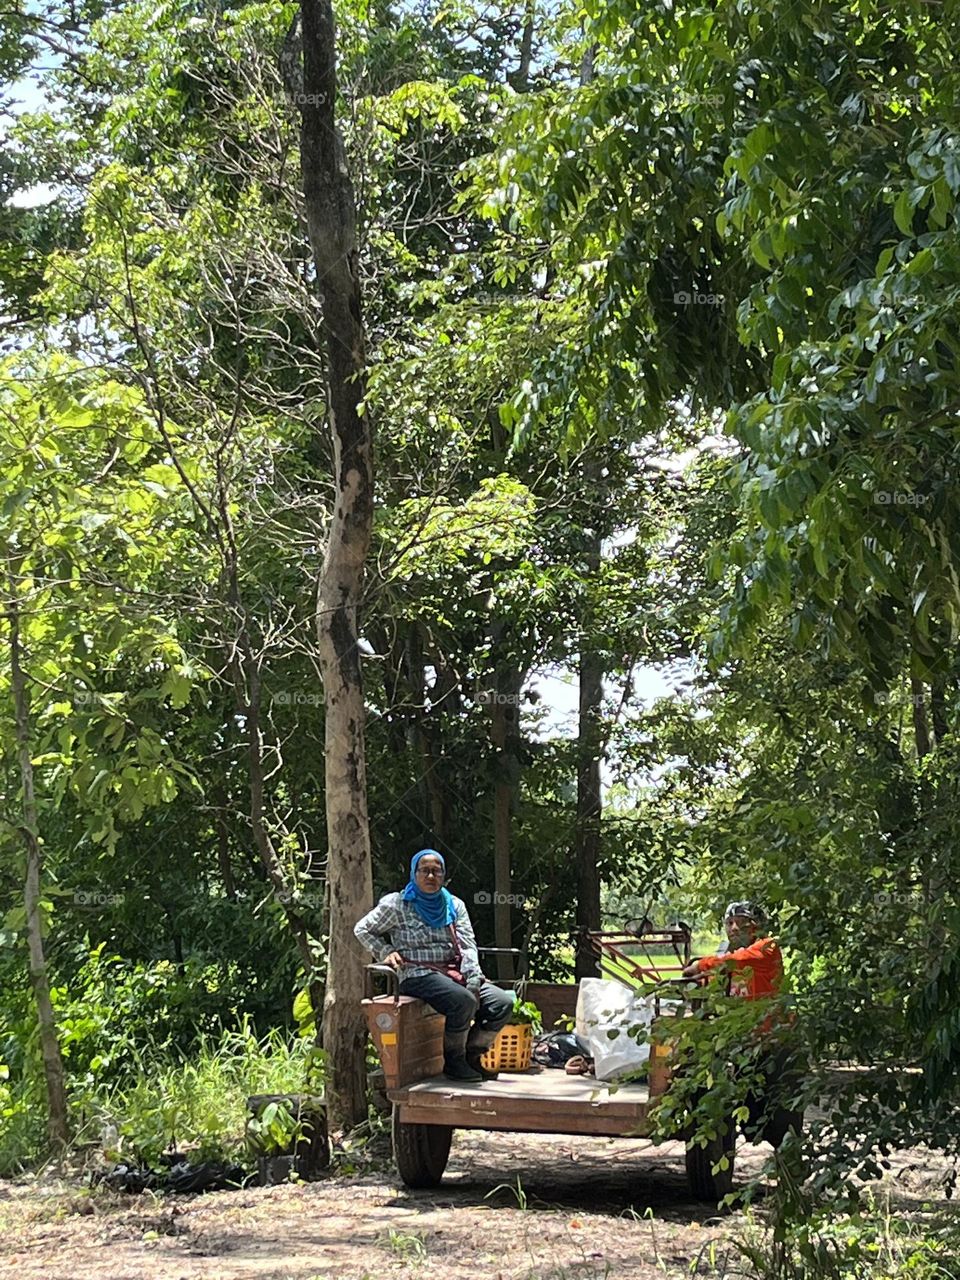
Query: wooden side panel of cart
408, 1034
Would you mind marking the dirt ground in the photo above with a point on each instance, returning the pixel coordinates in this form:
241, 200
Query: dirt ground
584, 1209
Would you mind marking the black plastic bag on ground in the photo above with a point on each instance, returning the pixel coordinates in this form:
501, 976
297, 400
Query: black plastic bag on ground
181, 1177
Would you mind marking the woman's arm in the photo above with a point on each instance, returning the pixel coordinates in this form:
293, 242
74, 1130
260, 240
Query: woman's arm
374, 929
470, 960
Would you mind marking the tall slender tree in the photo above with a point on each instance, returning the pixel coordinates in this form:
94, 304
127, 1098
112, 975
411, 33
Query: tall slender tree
332, 225
57, 1122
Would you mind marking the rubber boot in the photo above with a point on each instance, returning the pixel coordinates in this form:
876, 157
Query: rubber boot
455, 1065
478, 1042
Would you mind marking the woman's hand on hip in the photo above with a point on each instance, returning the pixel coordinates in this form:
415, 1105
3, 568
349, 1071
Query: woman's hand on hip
394, 960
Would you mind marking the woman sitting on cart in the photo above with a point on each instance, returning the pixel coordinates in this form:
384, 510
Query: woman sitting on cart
425, 934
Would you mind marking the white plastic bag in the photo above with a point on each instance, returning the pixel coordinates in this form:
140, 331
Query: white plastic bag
606, 1010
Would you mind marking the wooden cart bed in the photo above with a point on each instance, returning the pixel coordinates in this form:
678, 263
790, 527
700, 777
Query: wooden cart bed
546, 1102
428, 1107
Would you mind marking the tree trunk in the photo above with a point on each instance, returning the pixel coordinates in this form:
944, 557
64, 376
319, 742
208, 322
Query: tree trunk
433, 806
589, 751
921, 727
437, 823
521, 77
223, 845
395, 691
938, 705
58, 1127
332, 224
243, 662
260, 829
505, 715
586, 64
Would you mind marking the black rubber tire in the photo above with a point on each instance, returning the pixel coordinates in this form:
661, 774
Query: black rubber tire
704, 1184
780, 1124
420, 1151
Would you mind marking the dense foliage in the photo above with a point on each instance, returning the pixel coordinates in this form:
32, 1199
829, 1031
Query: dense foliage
661, 304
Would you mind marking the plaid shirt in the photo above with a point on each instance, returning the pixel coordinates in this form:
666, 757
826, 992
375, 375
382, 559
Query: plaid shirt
393, 925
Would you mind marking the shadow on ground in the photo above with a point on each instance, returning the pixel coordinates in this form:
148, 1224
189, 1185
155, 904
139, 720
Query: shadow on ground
596, 1175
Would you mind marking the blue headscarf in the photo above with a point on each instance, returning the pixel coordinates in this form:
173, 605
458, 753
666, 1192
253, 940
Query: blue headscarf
435, 909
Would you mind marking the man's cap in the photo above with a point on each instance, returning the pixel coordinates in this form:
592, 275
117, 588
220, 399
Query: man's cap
745, 910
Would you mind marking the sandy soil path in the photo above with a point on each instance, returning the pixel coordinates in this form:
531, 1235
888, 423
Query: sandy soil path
586, 1209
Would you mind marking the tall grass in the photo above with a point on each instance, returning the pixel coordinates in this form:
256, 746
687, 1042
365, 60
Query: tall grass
22, 1123
881, 1242
162, 1101
201, 1102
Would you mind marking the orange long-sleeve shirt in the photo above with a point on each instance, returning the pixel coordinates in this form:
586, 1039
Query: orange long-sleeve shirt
756, 970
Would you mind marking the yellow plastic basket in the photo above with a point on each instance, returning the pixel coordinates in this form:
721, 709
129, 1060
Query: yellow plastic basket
512, 1050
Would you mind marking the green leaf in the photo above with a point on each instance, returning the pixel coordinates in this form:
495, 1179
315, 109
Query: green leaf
903, 211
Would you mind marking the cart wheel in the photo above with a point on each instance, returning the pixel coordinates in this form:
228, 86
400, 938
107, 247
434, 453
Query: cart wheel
780, 1124
704, 1184
420, 1151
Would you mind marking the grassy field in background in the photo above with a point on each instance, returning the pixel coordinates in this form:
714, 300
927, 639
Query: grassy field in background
704, 944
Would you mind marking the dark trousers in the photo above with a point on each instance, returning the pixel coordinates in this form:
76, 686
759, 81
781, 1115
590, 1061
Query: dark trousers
781, 1074
491, 1008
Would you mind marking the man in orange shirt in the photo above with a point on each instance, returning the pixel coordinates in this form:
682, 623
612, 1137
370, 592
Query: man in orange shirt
754, 963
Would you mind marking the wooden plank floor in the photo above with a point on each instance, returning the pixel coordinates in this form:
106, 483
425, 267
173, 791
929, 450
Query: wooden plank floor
550, 1102
554, 1086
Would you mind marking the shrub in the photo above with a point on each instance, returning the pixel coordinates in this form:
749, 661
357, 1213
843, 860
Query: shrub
201, 1103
